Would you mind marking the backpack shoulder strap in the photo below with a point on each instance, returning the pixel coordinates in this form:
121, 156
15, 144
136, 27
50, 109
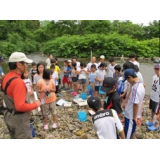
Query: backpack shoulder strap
7, 84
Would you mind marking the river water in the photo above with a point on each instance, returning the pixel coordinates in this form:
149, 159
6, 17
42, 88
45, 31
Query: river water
145, 68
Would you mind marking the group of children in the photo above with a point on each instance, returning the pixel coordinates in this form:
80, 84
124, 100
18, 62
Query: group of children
124, 90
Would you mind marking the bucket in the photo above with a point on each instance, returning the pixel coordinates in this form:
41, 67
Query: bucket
83, 96
88, 87
82, 116
101, 92
90, 92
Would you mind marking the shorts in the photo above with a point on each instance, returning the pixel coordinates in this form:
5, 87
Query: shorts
130, 128
97, 88
154, 106
82, 81
65, 80
74, 79
49, 107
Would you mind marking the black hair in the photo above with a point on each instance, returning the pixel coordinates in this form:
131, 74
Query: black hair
39, 64
66, 61
128, 65
56, 59
102, 65
136, 68
46, 74
12, 65
74, 65
118, 68
34, 64
53, 61
52, 66
111, 59
82, 64
96, 105
74, 58
132, 55
93, 66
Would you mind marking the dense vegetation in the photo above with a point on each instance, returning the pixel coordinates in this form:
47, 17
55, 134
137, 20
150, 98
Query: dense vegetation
66, 38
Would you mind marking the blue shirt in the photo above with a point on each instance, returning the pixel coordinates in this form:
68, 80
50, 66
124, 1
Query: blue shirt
1, 71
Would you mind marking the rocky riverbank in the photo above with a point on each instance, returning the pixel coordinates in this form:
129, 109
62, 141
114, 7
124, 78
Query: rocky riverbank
69, 127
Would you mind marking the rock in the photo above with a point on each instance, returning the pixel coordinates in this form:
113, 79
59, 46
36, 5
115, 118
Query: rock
139, 136
41, 134
71, 127
50, 136
40, 125
79, 133
83, 136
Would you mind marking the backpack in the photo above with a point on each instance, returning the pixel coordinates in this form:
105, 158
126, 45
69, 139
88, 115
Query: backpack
120, 87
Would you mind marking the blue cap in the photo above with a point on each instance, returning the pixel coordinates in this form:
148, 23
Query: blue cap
129, 72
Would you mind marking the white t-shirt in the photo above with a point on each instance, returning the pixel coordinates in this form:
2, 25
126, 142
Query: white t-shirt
54, 76
100, 74
48, 61
136, 97
135, 63
77, 65
83, 74
139, 75
89, 65
111, 70
105, 125
155, 89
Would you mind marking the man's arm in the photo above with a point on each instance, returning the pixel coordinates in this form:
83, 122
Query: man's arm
135, 111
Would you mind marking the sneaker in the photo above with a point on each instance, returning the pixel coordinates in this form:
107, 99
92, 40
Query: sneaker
32, 120
153, 128
54, 125
149, 123
46, 126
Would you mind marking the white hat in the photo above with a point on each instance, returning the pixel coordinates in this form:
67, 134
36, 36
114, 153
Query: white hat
69, 61
19, 56
102, 57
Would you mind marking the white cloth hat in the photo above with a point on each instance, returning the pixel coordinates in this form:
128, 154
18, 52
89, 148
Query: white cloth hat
19, 56
102, 57
69, 61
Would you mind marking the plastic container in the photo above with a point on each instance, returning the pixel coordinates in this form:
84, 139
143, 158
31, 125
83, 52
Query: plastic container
32, 130
82, 116
101, 92
88, 87
83, 96
90, 92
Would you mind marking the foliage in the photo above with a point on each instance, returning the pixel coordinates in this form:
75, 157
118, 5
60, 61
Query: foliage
66, 38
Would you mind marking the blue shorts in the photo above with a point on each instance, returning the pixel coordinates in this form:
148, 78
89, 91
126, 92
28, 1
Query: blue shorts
130, 127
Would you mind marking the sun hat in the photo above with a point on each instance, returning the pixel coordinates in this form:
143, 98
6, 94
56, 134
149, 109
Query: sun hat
18, 57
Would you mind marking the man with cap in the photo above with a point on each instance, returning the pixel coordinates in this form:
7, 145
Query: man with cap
133, 109
112, 100
16, 116
102, 59
106, 122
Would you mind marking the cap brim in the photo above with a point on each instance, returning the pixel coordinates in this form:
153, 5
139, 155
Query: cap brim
104, 89
28, 61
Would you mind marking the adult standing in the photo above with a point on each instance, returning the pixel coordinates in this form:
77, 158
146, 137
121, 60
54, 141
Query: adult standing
48, 61
74, 59
102, 59
132, 57
111, 66
16, 116
93, 61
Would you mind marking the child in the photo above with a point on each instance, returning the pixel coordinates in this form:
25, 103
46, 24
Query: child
69, 69
74, 79
112, 100
46, 88
66, 74
100, 75
55, 77
111, 67
33, 71
132, 57
106, 122
82, 79
133, 109
28, 84
92, 76
154, 98
117, 72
